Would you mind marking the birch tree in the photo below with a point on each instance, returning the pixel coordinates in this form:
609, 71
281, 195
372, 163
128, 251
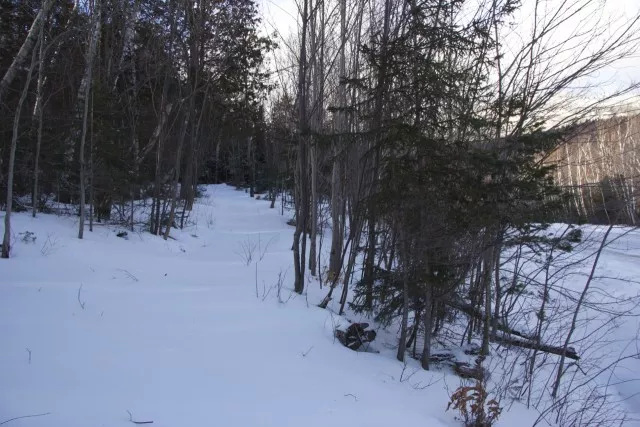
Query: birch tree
6, 241
38, 118
26, 48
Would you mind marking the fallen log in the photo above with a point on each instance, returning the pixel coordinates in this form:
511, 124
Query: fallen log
473, 312
442, 356
465, 370
526, 341
570, 353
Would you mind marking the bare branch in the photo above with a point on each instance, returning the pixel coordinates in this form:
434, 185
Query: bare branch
24, 416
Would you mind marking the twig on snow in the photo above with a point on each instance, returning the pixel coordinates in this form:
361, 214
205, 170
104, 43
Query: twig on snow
49, 245
129, 275
263, 252
79, 300
24, 416
247, 250
354, 397
265, 291
137, 422
29, 351
304, 353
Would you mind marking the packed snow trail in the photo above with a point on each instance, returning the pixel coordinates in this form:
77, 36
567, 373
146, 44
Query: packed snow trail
173, 332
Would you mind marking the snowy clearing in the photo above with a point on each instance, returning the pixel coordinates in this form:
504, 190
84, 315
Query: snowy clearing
186, 332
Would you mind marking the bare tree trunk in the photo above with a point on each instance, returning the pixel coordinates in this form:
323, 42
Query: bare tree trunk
197, 58
486, 284
337, 217
498, 289
6, 241
369, 261
313, 159
159, 137
427, 321
402, 345
376, 123
39, 117
85, 85
412, 341
133, 186
317, 67
347, 274
82, 172
302, 202
298, 272
91, 180
176, 176
155, 211
25, 49
129, 34
250, 164
475, 295
356, 234
217, 160
337, 214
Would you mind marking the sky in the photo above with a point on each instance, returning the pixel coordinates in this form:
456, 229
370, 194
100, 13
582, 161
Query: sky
280, 16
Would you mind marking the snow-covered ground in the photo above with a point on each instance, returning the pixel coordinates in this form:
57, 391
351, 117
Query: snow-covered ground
189, 332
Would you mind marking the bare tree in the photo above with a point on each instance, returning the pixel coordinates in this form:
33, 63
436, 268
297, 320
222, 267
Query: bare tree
301, 173
83, 104
337, 183
38, 116
26, 48
6, 241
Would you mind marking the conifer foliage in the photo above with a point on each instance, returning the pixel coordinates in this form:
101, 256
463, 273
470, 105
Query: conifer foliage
128, 100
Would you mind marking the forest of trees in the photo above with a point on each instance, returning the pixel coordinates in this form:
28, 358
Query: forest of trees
106, 102
420, 130
599, 166
426, 128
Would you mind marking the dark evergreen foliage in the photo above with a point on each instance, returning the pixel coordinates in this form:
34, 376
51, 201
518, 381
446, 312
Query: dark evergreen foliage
201, 62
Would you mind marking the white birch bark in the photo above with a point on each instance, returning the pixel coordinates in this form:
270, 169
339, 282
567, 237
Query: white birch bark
26, 48
6, 241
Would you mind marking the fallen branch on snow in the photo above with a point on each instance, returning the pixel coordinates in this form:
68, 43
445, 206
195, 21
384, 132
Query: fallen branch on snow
24, 416
79, 299
524, 340
137, 422
570, 353
479, 315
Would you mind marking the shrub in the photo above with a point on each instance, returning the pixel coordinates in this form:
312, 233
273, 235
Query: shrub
471, 402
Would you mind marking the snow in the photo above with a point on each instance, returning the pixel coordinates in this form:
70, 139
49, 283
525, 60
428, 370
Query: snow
186, 332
